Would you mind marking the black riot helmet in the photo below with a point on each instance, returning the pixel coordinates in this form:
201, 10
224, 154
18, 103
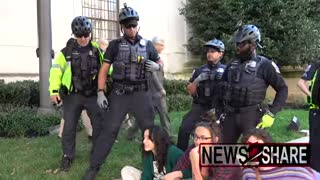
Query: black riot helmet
81, 26
127, 14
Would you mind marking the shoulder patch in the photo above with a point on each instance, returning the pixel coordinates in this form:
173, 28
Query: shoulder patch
220, 70
307, 69
143, 42
193, 72
275, 67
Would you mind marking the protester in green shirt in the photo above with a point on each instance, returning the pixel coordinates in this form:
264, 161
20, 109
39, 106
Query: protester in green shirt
159, 156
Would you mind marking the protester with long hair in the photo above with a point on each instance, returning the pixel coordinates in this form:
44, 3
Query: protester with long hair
268, 173
159, 156
206, 131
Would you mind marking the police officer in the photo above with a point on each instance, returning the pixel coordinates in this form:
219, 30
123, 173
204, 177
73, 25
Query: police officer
133, 59
312, 74
73, 80
203, 87
158, 95
246, 80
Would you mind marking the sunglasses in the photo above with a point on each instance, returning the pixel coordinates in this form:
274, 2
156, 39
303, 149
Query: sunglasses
242, 44
82, 35
130, 26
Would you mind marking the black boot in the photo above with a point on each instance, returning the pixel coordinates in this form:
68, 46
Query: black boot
65, 163
90, 174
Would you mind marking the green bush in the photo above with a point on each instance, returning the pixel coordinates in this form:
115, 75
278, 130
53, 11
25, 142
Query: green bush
289, 29
26, 93
177, 95
176, 87
179, 102
20, 93
24, 121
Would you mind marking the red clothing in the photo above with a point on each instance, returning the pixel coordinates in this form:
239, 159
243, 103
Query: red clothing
216, 173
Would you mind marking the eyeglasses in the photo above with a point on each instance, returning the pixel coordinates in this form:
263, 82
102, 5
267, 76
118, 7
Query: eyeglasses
202, 138
130, 26
82, 35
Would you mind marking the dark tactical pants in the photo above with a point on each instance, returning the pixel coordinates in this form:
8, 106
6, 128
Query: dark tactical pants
314, 127
238, 121
73, 105
161, 108
188, 123
138, 103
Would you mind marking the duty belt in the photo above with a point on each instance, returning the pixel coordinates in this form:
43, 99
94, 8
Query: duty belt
230, 109
85, 92
121, 88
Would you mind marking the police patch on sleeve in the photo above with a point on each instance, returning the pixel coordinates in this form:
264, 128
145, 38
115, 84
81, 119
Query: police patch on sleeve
307, 69
193, 72
275, 67
143, 42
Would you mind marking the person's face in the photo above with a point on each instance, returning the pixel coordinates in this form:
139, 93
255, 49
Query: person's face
213, 55
103, 46
244, 49
202, 135
130, 30
253, 139
159, 47
83, 39
147, 143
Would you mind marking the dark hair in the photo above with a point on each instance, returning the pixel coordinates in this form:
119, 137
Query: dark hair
209, 116
212, 127
162, 143
258, 133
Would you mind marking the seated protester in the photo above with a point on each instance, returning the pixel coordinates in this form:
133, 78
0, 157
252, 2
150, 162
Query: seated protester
160, 156
188, 164
266, 173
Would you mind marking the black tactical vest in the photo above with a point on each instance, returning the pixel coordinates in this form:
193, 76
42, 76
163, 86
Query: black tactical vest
244, 88
129, 65
207, 91
85, 67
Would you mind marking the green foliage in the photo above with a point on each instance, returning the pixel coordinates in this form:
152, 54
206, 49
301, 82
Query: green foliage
290, 29
25, 93
20, 160
24, 121
177, 96
179, 102
173, 87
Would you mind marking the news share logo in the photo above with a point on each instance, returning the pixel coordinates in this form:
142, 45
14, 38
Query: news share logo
256, 154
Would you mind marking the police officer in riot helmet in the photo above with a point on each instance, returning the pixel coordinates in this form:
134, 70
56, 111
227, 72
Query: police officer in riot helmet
73, 81
312, 90
203, 88
134, 59
246, 80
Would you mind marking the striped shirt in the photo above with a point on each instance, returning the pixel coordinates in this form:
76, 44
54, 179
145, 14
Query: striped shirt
283, 173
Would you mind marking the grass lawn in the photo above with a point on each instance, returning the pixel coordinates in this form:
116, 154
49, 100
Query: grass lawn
30, 159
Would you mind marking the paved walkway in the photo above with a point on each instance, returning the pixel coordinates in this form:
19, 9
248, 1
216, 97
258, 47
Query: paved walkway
300, 140
304, 139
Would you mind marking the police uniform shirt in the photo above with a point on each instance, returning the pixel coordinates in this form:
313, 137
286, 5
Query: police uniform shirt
270, 73
113, 48
310, 71
201, 69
